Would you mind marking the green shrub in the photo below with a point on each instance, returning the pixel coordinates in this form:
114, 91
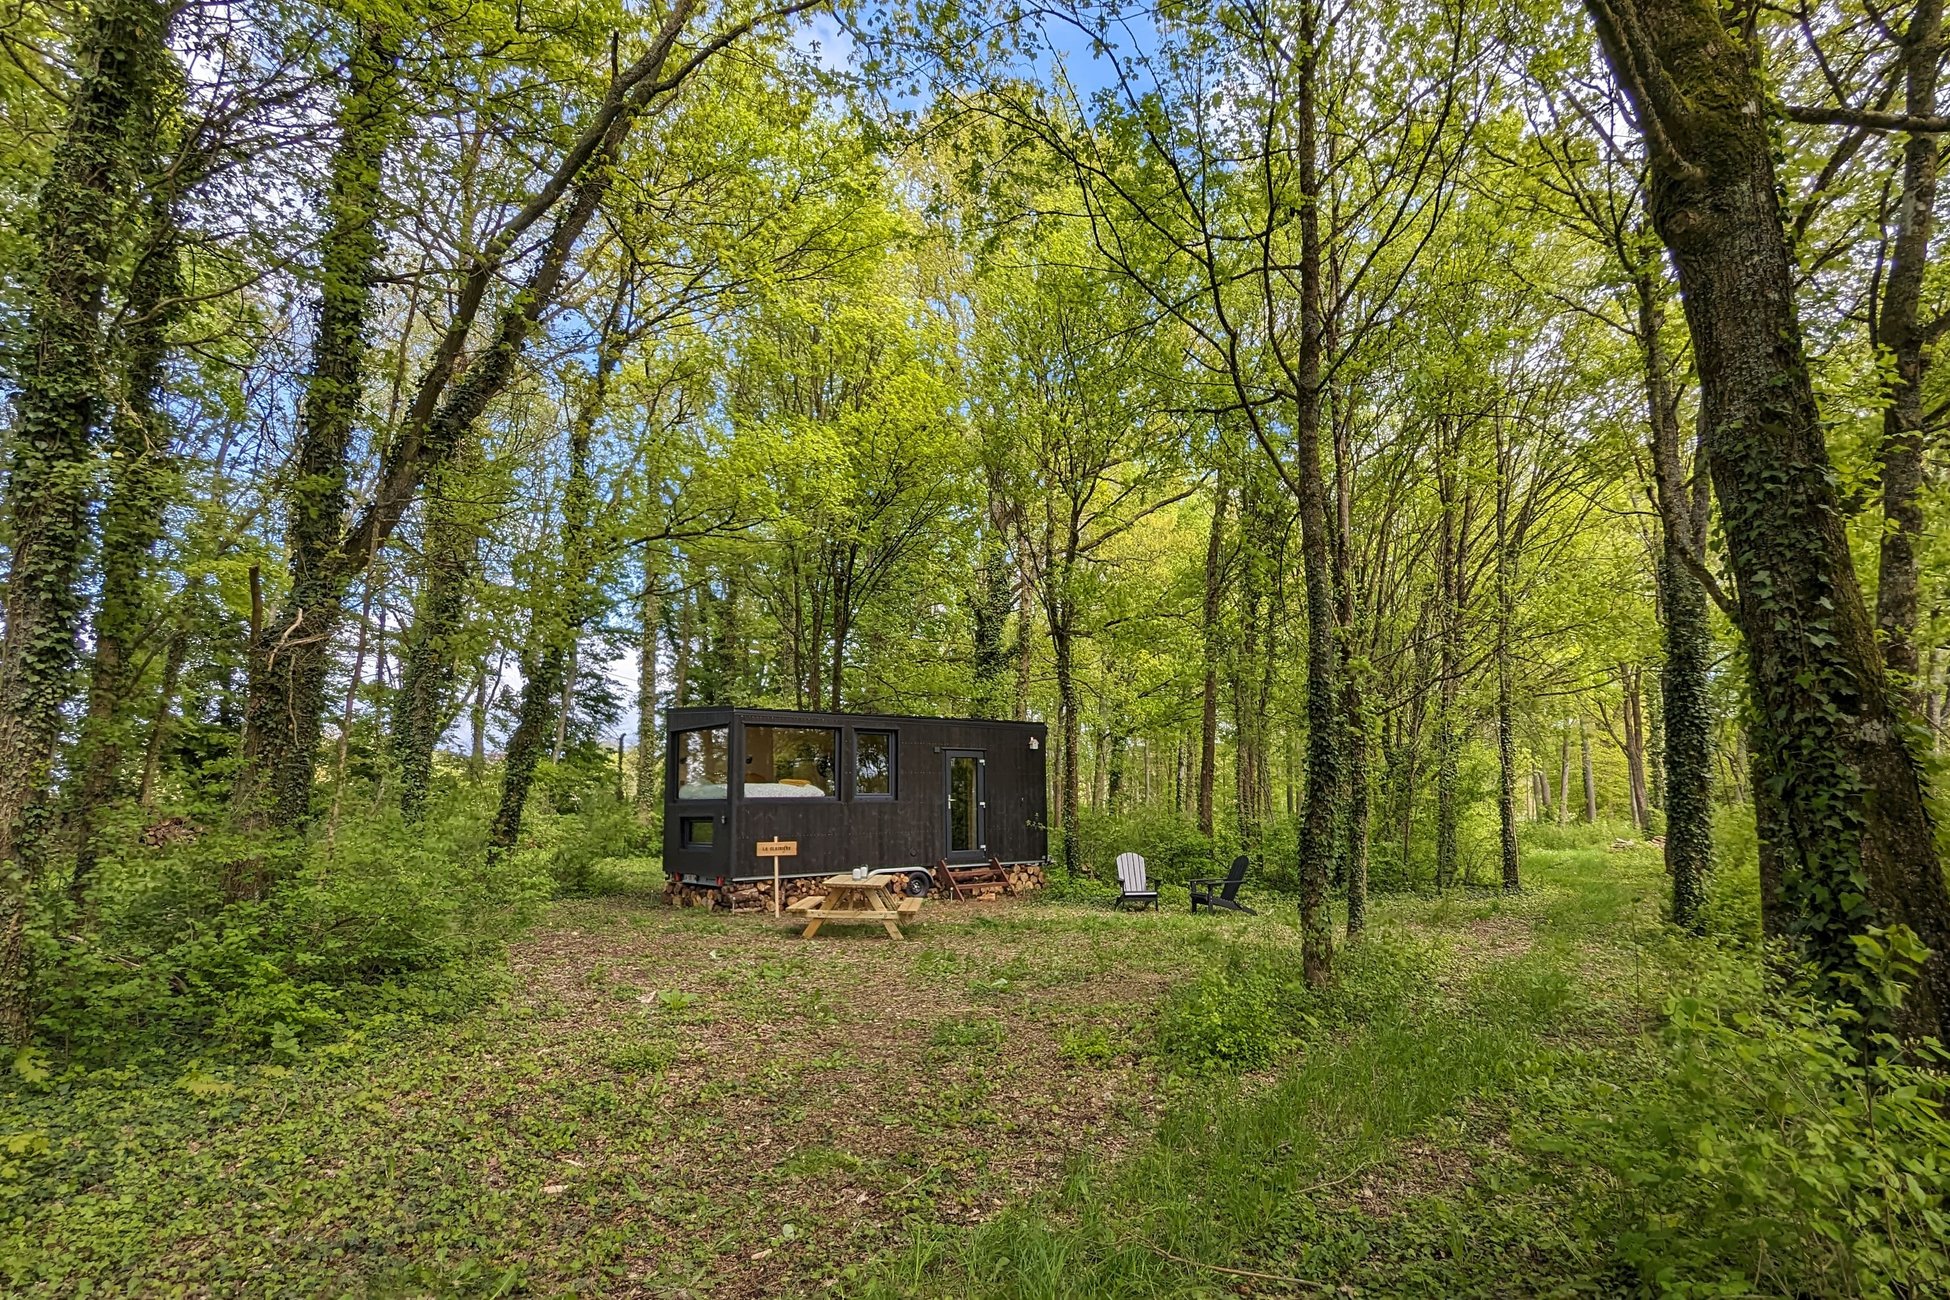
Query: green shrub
601, 826
1238, 1014
1170, 842
367, 923
1761, 1154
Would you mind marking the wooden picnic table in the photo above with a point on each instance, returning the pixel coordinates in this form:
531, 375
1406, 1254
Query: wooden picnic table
851, 901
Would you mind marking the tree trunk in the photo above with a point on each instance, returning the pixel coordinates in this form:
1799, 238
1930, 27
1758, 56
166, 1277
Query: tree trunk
172, 673
1208, 736
431, 657
1590, 785
1448, 741
1899, 330
1071, 728
541, 683
1564, 778
131, 524
351, 704
477, 725
290, 654
122, 54
649, 742
1859, 846
565, 705
1354, 716
1687, 720
548, 678
1506, 739
1632, 728
1316, 542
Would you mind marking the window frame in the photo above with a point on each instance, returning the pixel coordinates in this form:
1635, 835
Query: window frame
686, 841
675, 773
744, 757
893, 791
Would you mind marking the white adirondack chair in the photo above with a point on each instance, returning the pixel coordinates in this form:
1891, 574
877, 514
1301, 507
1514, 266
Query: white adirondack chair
1130, 879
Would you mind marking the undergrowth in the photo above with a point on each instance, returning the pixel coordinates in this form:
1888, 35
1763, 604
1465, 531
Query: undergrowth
1608, 1109
367, 923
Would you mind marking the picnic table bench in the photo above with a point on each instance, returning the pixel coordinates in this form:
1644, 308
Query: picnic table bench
853, 902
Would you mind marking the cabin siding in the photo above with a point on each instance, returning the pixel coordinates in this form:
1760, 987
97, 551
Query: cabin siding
838, 834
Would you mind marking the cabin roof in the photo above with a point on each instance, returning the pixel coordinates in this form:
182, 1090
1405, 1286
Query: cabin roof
679, 717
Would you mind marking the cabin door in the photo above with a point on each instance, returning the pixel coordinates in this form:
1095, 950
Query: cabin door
966, 795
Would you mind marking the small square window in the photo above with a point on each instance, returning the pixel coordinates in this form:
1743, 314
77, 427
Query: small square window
873, 764
698, 832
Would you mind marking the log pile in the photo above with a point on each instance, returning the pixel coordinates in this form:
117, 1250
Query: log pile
975, 882
741, 895
1026, 878
982, 881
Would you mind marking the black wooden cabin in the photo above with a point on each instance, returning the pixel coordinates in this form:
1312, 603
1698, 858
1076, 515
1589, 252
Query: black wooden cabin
855, 790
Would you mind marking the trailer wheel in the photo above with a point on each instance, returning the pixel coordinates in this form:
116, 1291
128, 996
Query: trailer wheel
919, 883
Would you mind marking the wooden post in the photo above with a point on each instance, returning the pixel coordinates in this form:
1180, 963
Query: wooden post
776, 849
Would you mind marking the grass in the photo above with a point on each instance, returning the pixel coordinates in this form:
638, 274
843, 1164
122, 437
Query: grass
1297, 1182
1026, 1100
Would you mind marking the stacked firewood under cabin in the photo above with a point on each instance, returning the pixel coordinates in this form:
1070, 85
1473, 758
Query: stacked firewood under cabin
744, 896
974, 882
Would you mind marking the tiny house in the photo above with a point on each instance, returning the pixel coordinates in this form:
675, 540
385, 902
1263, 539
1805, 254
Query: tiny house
853, 790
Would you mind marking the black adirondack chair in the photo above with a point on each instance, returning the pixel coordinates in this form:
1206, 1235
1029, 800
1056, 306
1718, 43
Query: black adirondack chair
1227, 893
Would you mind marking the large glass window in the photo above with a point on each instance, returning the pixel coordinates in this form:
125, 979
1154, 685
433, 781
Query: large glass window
790, 762
873, 764
703, 763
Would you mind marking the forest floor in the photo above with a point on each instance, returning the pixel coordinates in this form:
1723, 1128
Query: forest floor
672, 1103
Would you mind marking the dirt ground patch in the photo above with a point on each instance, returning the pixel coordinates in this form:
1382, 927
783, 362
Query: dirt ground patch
797, 1106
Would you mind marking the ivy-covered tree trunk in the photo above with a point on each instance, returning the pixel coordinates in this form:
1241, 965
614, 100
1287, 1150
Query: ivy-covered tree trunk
1210, 629
1316, 540
542, 684
430, 659
131, 524
1899, 579
1354, 713
79, 229
1448, 738
1687, 722
547, 672
1506, 723
1686, 718
1859, 849
162, 724
1070, 725
649, 735
290, 654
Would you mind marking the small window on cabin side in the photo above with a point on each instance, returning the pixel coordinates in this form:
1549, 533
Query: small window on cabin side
790, 762
699, 832
873, 764
703, 763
